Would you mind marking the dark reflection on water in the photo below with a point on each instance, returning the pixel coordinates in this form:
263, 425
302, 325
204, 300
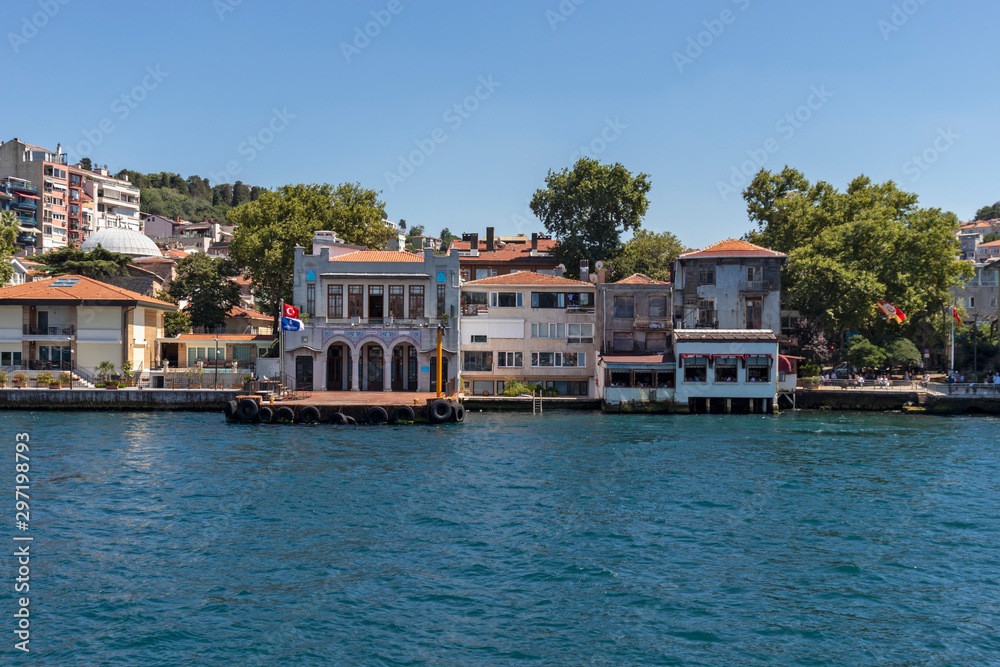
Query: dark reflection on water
569, 539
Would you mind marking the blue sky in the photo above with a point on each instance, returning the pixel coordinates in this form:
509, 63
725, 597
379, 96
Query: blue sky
873, 84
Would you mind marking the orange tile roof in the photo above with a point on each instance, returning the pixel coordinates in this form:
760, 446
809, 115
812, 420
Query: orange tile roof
174, 253
240, 311
544, 245
733, 248
378, 256
527, 278
85, 290
991, 244
640, 279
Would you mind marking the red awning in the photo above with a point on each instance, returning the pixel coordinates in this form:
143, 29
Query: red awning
21, 194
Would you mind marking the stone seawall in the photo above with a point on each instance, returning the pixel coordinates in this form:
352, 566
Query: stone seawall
878, 401
121, 399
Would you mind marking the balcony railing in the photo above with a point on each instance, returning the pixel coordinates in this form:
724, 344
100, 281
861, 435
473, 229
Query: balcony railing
756, 286
475, 311
17, 185
656, 323
69, 330
379, 322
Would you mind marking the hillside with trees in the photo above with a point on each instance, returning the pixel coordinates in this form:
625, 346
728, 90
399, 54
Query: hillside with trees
191, 198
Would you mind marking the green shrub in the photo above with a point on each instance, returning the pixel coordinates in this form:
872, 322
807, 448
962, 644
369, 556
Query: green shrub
809, 370
514, 387
44, 377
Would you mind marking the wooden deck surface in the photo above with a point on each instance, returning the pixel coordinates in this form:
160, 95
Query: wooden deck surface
361, 398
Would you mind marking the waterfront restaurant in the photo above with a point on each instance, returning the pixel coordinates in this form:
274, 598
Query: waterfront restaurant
726, 370
372, 319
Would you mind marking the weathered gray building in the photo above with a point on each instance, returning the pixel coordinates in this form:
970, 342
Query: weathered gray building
732, 284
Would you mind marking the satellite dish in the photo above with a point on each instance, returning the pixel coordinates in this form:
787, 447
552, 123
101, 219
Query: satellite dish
599, 264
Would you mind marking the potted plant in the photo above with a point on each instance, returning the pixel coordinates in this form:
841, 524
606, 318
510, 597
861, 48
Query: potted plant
104, 369
66, 379
3, 379
43, 379
128, 374
21, 380
111, 384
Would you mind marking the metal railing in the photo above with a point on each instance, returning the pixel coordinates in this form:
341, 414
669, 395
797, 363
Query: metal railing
69, 330
756, 286
868, 383
985, 389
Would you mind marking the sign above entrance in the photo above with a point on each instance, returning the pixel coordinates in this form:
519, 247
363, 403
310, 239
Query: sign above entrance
442, 276
311, 276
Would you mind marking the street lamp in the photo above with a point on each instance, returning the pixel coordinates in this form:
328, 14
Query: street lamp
216, 363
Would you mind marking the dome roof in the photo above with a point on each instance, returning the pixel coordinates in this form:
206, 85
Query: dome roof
124, 241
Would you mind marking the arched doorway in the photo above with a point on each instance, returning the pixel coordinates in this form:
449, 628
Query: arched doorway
404, 368
374, 366
336, 365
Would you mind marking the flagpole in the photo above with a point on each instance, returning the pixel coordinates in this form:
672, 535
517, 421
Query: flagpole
953, 339
281, 342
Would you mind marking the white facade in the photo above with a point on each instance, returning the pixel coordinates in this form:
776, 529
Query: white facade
726, 365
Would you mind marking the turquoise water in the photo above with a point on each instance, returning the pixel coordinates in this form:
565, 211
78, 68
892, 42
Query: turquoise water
568, 539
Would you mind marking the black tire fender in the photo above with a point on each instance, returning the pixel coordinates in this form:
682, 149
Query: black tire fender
247, 410
284, 414
376, 415
351, 421
230, 410
439, 411
265, 415
309, 415
338, 419
403, 413
458, 415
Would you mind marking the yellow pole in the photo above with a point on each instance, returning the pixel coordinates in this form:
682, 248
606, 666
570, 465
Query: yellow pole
439, 364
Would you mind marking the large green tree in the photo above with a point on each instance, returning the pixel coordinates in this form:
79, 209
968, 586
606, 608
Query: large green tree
649, 253
268, 229
207, 284
588, 208
9, 228
849, 249
989, 212
98, 263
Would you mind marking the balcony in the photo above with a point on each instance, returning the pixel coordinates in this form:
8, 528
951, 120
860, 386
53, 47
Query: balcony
654, 323
17, 185
26, 240
475, 311
57, 331
26, 204
26, 219
757, 286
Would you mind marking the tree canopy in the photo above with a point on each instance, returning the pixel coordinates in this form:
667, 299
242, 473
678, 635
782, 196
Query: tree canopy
649, 253
206, 283
991, 212
588, 208
98, 263
865, 354
849, 249
9, 228
268, 229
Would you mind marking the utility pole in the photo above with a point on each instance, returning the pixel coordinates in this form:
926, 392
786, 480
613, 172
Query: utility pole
440, 361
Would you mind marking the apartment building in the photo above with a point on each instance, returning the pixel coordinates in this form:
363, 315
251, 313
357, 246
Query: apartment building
530, 326
731, 284
82, 209
49, 172
635, 316
21, 198
118, 201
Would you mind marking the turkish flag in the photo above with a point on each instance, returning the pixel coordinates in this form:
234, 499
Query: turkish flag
954, 313
290, 311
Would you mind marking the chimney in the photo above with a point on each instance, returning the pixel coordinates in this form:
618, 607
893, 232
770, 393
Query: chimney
474, 245
177, 218
534, 242
59, 148
585, 270
489, 239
